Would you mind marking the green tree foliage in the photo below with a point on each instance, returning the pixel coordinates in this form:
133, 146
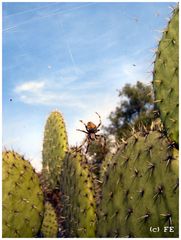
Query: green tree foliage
134, 110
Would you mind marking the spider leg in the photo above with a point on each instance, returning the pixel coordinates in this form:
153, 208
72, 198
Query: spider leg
100, 122
84, 124
87, 148
82, 131
79, 148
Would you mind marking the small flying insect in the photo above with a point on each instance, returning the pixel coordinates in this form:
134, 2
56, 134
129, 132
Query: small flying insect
91, 132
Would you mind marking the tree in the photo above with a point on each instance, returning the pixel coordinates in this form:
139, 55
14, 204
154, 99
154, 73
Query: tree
135, 109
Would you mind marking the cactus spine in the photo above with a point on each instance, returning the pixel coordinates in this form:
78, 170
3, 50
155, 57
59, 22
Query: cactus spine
22, 197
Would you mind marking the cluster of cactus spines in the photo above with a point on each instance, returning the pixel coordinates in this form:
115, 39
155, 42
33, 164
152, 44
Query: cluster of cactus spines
140, 189
79, 198
49, 226
22, 197
165, 77
55, 146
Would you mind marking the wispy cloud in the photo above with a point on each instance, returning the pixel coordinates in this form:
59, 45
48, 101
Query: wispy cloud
58, 11
29, 87
43, 93
67, 89
52, 99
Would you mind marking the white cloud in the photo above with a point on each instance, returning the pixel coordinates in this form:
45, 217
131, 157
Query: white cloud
32, 86
48, 98
59, 89
70, 89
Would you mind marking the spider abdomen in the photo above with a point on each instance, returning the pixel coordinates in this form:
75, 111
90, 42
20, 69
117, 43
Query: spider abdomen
91, 126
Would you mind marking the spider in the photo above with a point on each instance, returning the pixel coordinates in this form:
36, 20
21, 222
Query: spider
91, 131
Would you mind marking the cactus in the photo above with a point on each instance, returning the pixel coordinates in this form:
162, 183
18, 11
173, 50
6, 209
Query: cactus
165, 77
54, 198
79, 197
22, 197
55, 146
140, 189
49, 226
105, 164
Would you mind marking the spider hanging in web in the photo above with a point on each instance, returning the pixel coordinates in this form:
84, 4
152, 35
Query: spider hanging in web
91, 133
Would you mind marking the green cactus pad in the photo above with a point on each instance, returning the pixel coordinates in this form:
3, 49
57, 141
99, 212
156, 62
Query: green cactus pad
165, 77
49, 227
22, 197
79, 197
140, 189
105, 164
55, 146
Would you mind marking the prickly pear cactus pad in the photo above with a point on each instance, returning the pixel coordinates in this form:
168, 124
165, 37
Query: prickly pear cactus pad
165, 77
55, 146
140, 190
105, 164
49, 227
79, 197
22, 197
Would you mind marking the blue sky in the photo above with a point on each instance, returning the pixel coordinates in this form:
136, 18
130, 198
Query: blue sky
72, 57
